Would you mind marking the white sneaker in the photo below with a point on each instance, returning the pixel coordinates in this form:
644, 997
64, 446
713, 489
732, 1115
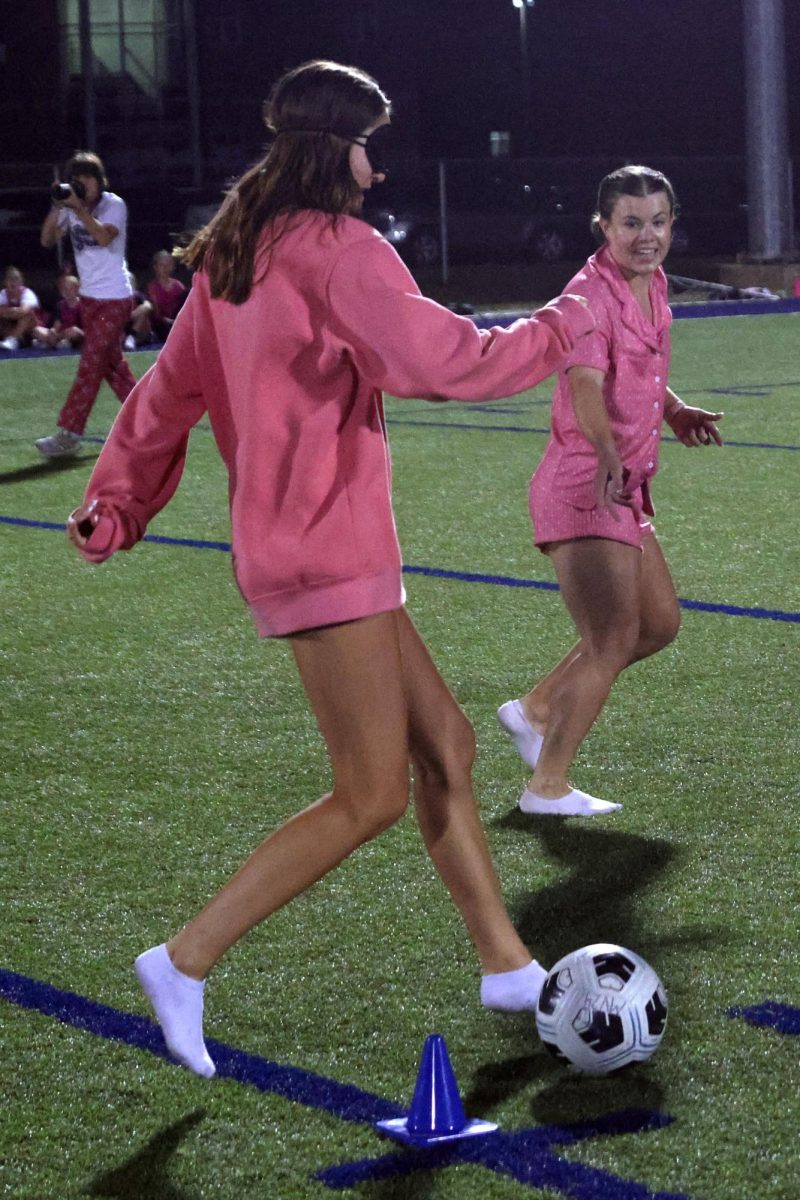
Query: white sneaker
129, 343
574, 804
10, 343
60, 445
527, 740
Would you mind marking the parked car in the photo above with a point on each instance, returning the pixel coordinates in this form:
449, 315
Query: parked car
493, 211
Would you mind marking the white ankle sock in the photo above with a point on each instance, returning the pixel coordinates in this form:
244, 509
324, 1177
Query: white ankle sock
177, 1001
574, 804
513, 991
528, 742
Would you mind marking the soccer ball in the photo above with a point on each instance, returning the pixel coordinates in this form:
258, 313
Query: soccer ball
601, 1008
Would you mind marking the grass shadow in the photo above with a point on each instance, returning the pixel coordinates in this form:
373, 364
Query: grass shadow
44, 470
571, 1097
419, 1185
495, 1082
596, 901
563, 1097
144, 1177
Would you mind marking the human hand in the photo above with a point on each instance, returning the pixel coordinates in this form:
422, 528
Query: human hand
81, 523
610, 484
695, 426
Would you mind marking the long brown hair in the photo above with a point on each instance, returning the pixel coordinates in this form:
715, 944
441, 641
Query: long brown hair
313, 110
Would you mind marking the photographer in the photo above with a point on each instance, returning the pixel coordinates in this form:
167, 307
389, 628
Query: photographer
96, 221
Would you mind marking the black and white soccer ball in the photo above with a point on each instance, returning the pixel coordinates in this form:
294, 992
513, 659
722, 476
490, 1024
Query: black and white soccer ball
602, 1008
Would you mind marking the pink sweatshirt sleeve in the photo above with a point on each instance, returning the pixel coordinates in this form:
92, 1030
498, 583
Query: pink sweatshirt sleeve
410, 346
140, 465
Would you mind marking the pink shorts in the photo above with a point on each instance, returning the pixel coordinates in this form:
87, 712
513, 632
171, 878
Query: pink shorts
558, 521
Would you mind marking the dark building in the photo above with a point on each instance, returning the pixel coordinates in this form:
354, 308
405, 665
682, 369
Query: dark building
169, 92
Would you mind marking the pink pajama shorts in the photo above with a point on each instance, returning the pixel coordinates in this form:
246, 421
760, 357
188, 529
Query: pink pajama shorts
556, 520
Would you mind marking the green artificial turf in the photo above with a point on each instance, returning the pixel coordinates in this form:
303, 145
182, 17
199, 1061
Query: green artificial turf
150, 740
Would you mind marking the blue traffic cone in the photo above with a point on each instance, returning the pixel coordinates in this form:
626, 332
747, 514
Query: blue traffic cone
436, 1114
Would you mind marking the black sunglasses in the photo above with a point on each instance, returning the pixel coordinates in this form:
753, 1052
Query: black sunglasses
374, 144
375, 147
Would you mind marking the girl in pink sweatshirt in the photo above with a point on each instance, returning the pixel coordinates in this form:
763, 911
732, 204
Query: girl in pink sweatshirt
299, 315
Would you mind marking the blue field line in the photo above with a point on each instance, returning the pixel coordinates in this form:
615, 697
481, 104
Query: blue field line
466, 425
526, 1155
545, 431
730, 610
489, 320
544, 585
735, 308
720, 308
504, 429
770, 1015
344, 1101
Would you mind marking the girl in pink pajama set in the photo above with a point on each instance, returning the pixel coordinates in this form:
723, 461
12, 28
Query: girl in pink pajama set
300, 314
590, 495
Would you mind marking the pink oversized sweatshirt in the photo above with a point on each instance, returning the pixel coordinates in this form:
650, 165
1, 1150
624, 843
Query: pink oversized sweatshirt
292, 382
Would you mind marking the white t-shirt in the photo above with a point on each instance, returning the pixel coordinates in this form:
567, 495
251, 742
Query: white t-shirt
103, 270
29, 299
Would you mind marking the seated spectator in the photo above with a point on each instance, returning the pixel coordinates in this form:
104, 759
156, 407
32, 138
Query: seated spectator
139, 329
20, 311
166, 294
66, 332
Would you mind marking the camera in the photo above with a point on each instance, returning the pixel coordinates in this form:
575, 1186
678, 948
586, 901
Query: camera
62, 191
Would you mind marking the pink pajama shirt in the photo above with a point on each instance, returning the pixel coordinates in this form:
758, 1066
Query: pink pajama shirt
633, 354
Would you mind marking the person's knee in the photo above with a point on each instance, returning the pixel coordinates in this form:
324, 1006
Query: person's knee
611, 650
446, 762
661, 633
387, 806
372, 809
669, 628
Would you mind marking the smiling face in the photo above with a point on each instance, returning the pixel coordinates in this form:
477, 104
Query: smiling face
638, 233
361, 167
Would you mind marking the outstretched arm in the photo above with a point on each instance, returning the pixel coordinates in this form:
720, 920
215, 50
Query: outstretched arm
142, 461
406, 344
586, 389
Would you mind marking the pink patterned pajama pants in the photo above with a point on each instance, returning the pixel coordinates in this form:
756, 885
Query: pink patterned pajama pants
101, 358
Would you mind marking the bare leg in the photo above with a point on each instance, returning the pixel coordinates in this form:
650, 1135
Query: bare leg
624, 606
659, 619
536, 703
353, 677
371, 685
442, 752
